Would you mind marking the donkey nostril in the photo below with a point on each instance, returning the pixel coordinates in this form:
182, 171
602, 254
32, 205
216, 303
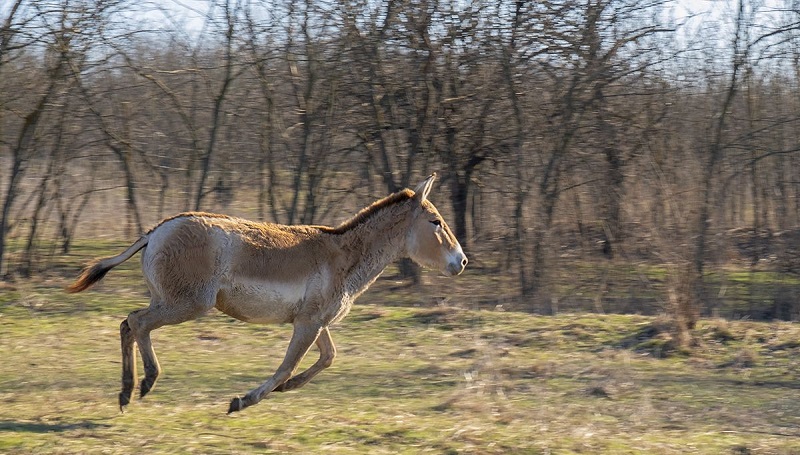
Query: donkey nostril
464, 262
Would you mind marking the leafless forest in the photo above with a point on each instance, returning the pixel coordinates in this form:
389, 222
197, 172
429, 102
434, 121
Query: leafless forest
609, 155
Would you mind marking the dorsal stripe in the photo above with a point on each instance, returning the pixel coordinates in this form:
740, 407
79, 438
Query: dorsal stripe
360, 218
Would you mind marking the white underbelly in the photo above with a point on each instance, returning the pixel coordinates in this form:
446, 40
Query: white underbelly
261, 302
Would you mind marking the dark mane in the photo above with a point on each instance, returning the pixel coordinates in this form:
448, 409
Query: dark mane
367, 213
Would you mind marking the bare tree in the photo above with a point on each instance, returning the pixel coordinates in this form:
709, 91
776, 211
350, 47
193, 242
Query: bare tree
230, 14
22, 147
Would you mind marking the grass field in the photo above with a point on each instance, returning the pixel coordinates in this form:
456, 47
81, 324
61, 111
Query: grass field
411, 377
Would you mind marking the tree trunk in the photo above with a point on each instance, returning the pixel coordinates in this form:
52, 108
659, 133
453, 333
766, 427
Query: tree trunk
18, 160
216, 115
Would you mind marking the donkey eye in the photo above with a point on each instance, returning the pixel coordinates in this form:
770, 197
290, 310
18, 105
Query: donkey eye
436, 222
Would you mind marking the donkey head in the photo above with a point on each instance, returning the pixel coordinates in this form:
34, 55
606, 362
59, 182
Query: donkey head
430, 242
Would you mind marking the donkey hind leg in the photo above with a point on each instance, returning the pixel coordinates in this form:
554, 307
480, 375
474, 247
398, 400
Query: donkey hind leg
128, 364
159, 314
302, 338
327, 352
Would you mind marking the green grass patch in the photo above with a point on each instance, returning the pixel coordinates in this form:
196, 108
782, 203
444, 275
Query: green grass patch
762, 277
417, 372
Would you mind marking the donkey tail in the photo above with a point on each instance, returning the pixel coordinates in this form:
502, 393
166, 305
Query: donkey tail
97, 269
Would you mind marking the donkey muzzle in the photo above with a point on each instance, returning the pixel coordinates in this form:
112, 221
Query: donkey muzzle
455, 267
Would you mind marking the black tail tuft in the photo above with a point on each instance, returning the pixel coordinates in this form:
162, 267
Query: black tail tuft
90, 275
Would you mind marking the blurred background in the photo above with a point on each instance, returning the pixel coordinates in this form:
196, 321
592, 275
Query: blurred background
594, 155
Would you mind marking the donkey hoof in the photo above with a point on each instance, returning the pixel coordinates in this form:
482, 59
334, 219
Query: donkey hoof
237, 404
145, 387
124, 400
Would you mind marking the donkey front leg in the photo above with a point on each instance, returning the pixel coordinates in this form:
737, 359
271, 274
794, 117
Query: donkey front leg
302, 338
327, 352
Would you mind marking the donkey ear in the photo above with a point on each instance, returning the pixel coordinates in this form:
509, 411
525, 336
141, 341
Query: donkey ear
424, 189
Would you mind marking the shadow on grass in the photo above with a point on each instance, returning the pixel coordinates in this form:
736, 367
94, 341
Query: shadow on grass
40, 427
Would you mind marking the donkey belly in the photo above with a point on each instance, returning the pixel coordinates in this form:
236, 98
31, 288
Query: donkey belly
261, 302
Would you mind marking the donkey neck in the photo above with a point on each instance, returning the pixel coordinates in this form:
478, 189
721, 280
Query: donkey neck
371, 246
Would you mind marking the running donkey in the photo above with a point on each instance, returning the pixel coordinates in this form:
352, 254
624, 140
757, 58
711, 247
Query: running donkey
270, 273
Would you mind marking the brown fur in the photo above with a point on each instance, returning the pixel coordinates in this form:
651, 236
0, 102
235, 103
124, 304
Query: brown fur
265, 272
351, 223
